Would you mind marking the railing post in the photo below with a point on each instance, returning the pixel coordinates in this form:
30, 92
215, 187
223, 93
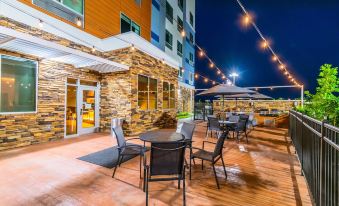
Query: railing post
321, 163
302, 144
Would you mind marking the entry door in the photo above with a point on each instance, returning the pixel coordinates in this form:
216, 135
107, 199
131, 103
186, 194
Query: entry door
88, 109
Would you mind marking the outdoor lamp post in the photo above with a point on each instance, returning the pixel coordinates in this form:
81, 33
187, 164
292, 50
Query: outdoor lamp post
234, 75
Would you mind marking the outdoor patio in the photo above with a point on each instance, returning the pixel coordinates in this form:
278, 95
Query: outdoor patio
263, 172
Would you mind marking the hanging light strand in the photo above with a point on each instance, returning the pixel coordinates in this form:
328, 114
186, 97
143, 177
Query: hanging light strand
205, 79
265, 44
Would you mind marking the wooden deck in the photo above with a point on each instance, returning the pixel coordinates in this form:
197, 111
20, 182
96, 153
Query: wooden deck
263, 172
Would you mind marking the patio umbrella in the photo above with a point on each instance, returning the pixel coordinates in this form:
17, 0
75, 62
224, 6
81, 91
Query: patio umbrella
224, 89
260, 96
256, 96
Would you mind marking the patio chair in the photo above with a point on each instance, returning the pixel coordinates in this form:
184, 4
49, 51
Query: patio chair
187, 130
125, 148
165, 159
241, 127
250, 122
212, 157
213, 125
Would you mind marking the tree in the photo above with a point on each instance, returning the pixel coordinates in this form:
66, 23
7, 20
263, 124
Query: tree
324, 104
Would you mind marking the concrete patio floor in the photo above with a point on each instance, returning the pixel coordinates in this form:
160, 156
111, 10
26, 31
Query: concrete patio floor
263, 172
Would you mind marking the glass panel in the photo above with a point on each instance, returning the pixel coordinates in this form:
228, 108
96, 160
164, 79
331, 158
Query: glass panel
172, 96
142, 100
88, 83
165, 102
125, 24
75, 5
88, 108
153, 100
71, 110
18, 85
135, 28
142, 83
153, 84
169, 12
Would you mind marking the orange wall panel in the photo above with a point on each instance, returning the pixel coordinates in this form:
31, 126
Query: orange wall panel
102, 17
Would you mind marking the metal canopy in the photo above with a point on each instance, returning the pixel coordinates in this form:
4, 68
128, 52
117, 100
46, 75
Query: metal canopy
224, 89
15, 41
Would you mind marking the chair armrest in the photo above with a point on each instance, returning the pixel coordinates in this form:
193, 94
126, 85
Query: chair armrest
196, 148
203, 143
132, 139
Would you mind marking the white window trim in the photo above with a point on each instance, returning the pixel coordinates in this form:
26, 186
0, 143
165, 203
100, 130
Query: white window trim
36, 85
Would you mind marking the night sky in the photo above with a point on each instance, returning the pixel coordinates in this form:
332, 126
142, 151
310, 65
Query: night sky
304, 33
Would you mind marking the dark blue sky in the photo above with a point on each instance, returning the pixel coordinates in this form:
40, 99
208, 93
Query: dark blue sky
305, 33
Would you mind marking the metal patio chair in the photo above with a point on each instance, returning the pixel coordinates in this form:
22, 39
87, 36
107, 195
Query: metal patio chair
213, 125
165, 159
212, 157
125, 148
187, 130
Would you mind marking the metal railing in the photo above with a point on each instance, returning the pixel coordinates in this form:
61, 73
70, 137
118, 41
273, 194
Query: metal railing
317, 147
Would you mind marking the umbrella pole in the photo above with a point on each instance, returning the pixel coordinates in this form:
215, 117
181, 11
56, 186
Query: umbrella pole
223, 103
236, 104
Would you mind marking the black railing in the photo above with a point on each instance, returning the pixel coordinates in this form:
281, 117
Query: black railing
317, 147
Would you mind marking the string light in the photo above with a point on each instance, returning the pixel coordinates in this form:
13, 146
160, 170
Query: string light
196, 76
218, 72
211, 65
206, 80
41, 24
201, 53
78, 22
264, 44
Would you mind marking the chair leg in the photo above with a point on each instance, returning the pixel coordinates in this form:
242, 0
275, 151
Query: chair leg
237, 137
215, 175
140, 165
184, 189
190, 164
122, 156
144, 186
116, 165
202, 164
179, 184
223, 164
246, 137
146, 190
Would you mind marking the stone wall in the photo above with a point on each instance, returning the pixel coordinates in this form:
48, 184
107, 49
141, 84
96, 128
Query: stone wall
249, 105
185, 99
136, 120
118, 94
48, 123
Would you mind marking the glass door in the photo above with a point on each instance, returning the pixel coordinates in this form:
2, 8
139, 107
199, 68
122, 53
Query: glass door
88, 109
71, 110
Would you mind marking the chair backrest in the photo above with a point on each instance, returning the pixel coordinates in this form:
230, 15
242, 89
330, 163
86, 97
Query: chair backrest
243, 117
119, 135
241, 125
187, 130
220, 144
213, 123
251, 117
234, 118
167, 158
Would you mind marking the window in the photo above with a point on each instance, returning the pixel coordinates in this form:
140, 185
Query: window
181, 4
179, 48
168, 96
169, 12
169, 40
191, 57
147, 93
180, 24
180, 72
75, 5
138, 2
191, 38
18, 85
191, 77
127, 25
191, 19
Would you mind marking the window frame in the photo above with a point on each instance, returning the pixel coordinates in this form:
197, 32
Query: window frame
36, 84
169, 95
62, 1
148, 93
191, 19
131, 24
179, 53
170, 18
181, 7
180, 24
169, 45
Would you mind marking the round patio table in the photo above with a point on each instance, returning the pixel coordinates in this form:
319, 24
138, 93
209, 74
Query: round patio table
161, 136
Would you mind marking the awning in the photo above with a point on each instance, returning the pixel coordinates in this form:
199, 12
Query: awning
16, 41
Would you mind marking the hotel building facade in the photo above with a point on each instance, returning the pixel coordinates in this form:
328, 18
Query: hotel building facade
68, 67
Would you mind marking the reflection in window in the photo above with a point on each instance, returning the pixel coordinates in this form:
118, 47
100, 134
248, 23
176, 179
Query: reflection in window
147, 93
75, 5
18, 84
168, 96
126, 25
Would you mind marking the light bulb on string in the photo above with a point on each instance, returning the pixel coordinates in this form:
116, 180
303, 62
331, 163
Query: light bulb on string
78, 22
206, 80
264, 44
41, 24
196, 76
274, 58
282, 66
223, 77
211, 65
218, 72
201, 53
213, 82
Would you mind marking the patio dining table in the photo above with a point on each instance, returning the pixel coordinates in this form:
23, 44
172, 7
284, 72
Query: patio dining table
161, 136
